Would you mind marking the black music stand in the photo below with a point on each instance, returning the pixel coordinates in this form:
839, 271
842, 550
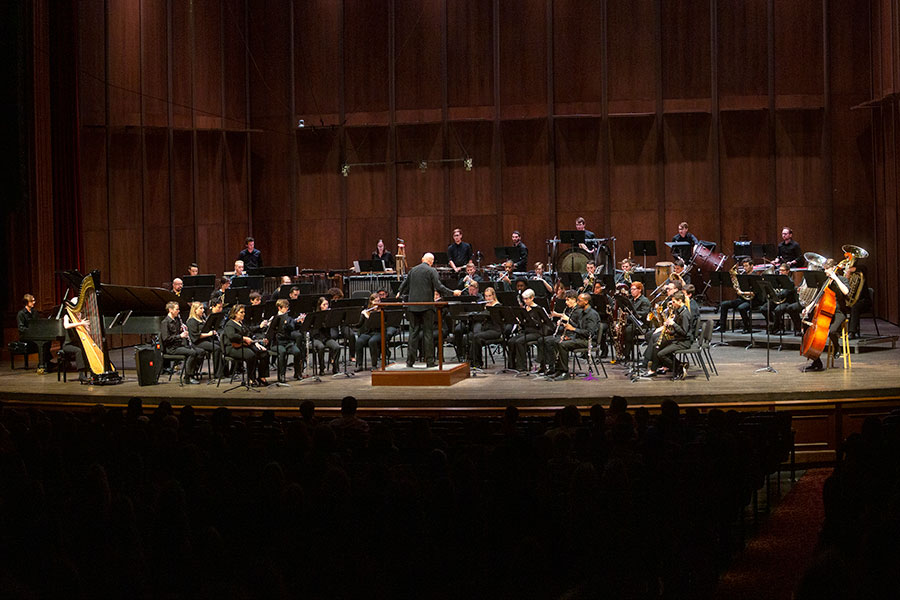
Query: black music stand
441, 258
720, 279
675, 246
644, 248
508, 298
510, 317
537, 286
119, 321
647, 278
341, 318
764, 287
199, 281
313, 321
253, 282
572, 280
240, 295
742, 248
571, 236
370, 266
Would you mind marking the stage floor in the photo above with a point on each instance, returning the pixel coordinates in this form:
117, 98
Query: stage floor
874, 374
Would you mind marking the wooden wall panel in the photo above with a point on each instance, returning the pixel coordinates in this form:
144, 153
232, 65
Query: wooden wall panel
473, 202
317, 61
270, 77
525, 180
803, 201
125, 209
184, 235
421, 204
234, 26
745, 191
632, 55
577, 57
319, 208
633, 182
180, 59
123, 64
743, 53
154, 63
366, 45
686, 49
94, 211
270, 198
209, 202
236, 200
417, 60
207, 64
798, 49
689, 176
156, 207
92, 62
369, 193
523, 59
579, 185
470, 58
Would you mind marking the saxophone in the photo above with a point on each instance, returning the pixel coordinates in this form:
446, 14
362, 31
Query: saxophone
734, 282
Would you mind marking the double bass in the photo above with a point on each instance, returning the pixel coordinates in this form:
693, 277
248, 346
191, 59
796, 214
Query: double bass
825, 304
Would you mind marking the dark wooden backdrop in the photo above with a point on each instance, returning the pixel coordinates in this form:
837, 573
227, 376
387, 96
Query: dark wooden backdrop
738, 116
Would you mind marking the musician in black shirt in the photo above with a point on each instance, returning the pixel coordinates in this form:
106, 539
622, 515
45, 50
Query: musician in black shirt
23, 318
582, 327
240, 346
209, 341
280, 332
684, 252
175, 339
789, 251
251, 255
459, 252
522, 261
382, 253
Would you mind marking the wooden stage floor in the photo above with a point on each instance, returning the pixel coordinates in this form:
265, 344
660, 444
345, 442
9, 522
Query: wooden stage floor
875, 373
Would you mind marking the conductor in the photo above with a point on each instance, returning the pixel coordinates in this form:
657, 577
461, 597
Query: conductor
421, 283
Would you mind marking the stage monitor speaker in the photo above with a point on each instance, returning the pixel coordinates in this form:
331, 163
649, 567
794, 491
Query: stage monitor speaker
147, 360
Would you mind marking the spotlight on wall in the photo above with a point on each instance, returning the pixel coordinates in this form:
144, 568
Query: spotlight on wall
423, 165
301, 123
345, 170
468, 164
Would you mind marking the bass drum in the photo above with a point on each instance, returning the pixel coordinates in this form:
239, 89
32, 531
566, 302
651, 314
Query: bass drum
574, 260
708, 260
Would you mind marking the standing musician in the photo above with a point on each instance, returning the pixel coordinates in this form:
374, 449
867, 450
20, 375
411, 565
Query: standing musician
786, 301
459, 252
590, 241
470, 276
518, 343
23, 318
175, 339
674, 337
369, 329
684, 252
250, 256
484, 332
539, 275
742, 303
240, 346
280, 332
208, 342
789, 251
841, 290
421, 284
641, 308
581, 327
522, 262
383, 254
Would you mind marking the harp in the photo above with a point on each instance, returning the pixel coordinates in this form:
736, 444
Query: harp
92, 337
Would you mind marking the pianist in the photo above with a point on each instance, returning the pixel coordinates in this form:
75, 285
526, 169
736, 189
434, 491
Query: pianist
23, 319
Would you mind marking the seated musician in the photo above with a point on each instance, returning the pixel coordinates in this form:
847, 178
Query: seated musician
282, 327
603, 336
284, 288
224, 284
679, 271
627, 273
239, 269
671, 288
175, 339
590, 276
539, 275
559, 292
23, 318
250, 256
240, 346
485, 331
472, 291
743, 303
369, 333
73, 345
325, 337
208, 342
549, 342
506, 281
335, 294
692, 305
518, 343
840, 285
469, 276
177, 286
786, 301
641, 308
582, 326
863, 303
193, 269
674, 337
382, 253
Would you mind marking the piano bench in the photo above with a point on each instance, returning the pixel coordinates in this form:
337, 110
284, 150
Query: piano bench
19, 349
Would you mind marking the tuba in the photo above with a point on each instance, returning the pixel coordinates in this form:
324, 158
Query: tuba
857, 279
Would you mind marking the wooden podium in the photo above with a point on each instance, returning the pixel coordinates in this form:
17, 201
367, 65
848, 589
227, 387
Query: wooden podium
419, 377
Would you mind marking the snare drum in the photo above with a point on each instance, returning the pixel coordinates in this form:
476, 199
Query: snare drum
663, 272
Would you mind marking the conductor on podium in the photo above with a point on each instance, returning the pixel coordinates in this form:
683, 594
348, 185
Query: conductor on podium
421, 284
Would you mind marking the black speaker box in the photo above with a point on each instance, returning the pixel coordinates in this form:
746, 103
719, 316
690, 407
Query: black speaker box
148, 361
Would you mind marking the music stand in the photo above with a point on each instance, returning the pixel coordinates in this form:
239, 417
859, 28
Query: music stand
647, 278
572, 280
441, 258
199, 281
253, 282
370, 266
720, 279
313, 321
571, 236
340, 319
119, 321
679, 249
644, 248
763, 286
741, 249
